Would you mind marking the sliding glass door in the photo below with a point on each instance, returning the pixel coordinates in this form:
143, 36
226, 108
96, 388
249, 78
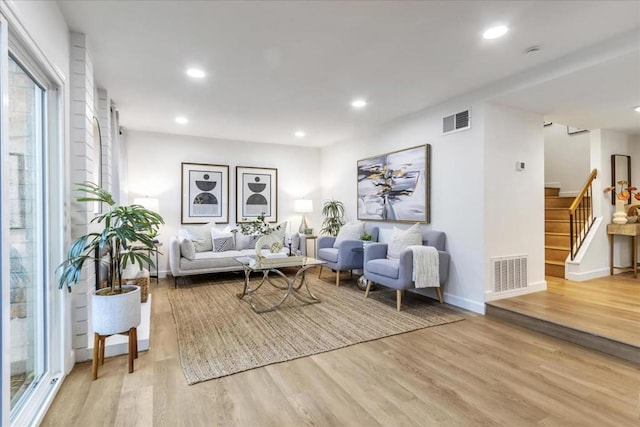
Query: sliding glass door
26, 212
31, 229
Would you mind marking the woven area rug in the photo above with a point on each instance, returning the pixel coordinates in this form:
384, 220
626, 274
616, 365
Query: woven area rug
219, 334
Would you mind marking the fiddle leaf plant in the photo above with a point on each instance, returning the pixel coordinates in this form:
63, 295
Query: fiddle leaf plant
333, 212
127, 234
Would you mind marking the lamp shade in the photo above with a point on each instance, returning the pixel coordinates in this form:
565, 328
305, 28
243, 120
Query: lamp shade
303, 206
149, 203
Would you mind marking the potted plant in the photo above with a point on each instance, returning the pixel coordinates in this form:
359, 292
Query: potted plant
333, 212
127, 235
257, 227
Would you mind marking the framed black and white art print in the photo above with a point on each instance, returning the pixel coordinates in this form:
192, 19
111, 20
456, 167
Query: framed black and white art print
205, 193
256, 193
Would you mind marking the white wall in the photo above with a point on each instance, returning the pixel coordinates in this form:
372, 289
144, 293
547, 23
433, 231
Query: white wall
567, 158
154, 169
457, 191
514, 200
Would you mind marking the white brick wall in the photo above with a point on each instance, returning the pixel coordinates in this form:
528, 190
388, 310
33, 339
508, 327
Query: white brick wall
81, 164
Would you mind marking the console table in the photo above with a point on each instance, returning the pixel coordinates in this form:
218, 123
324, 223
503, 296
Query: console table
629, 230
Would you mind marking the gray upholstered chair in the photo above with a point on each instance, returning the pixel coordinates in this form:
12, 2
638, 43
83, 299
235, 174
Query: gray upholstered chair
348, 256
398, 273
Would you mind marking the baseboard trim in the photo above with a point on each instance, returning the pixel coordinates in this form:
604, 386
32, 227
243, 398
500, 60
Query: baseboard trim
467, 304
587, 275
585, 339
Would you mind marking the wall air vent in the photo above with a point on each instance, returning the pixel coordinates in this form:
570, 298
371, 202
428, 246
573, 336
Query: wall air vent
456, 122
509, 273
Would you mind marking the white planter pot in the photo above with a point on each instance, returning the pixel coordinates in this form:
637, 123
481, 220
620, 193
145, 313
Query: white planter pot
113, 314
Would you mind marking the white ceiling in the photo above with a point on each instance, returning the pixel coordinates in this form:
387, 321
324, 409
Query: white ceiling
276, 67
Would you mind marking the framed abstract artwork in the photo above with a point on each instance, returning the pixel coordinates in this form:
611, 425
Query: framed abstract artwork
395, 186
256, 193
205, 193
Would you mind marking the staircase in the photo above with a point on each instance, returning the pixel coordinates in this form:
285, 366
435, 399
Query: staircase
556, 231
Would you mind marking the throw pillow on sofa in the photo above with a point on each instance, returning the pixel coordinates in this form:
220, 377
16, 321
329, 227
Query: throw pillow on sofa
349, 231
200, 235
187, 248
223, 244
402, 239
222, 241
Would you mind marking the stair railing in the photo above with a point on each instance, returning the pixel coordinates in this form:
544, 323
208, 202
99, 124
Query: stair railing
581, 215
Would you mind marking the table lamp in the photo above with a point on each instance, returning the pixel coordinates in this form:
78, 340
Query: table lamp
303, 206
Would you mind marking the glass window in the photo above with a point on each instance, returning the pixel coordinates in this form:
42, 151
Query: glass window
28, 349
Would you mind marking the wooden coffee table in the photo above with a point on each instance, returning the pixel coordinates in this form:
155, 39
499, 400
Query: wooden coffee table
274, 266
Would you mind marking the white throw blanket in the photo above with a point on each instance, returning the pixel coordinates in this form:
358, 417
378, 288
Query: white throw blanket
426, 266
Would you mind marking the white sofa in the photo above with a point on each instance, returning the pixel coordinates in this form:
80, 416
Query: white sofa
183, 261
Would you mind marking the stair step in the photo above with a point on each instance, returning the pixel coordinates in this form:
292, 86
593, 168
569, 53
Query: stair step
551, 191
556, 213
556, 226
554, 269
555, 254
558, 202
557, 239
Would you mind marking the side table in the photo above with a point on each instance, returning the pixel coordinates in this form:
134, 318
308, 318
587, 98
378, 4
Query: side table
629, 230
314, 239
157, 276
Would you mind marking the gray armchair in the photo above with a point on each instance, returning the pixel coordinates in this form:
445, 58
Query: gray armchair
398, 273
348, 256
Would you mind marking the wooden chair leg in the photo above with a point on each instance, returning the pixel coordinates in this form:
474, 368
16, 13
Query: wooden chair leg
439, 292
366, 292
337, 278
96, 355
398, 299
319, 271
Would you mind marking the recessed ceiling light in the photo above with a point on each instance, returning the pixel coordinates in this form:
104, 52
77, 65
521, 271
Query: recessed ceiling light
358, 103
196, 73
637, 108
182, 120
300, 134
495, 32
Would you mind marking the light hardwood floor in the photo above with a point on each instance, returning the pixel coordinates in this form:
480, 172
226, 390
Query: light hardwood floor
608, 306
476, 372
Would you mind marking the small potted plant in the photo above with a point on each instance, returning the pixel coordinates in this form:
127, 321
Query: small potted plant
257, 227
127, 236
333, 212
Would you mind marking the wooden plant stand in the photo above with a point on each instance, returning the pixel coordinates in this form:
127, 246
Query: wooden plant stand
98, 350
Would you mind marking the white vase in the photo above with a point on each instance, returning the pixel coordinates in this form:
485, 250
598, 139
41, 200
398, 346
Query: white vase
620, 215
112, 314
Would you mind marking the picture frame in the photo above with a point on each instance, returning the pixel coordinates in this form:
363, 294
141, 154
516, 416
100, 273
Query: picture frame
395, 186
573, 130
256, 193
205, 193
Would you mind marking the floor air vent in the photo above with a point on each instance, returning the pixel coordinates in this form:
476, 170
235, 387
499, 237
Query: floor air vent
456, 122
509, 273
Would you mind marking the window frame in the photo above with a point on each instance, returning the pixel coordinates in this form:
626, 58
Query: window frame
15, 40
